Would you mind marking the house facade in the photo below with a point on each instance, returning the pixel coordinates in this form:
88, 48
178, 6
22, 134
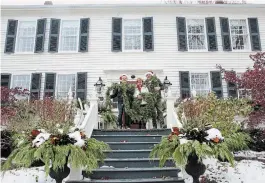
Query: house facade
50, 48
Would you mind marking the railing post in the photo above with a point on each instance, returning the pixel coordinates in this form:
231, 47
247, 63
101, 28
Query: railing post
170, 108
94, 100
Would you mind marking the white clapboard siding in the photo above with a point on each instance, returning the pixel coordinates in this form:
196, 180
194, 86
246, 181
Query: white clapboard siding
99, 60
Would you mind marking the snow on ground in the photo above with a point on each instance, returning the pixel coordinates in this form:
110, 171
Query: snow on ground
245, 171
27, 175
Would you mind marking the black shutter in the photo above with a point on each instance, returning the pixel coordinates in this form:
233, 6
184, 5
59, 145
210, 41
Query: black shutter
11, 33
116, 34
5, 80
216, 80
225, 32
50, 83
232, 89
81, 86
40, 35
54, 35
84, 33
148, 37
254, 34
211, 34
184, 84
35, 86
182, 34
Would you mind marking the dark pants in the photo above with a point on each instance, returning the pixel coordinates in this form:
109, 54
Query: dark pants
121, 110
158, 115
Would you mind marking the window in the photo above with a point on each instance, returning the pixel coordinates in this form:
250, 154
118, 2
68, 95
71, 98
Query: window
196, 34
26, 36
244, 93
200, 83
239, 34
21, 81
64, 83
69, 35
132, 34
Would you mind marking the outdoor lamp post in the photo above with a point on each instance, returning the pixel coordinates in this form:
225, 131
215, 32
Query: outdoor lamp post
166, 85
99, 86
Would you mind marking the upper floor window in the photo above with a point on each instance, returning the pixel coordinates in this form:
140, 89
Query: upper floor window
26, 36
69, 35
21, 81
196, 34
64, 83
239, 34
200, 83
132, 34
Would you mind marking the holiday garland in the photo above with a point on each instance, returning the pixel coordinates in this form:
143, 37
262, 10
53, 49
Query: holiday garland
133, 106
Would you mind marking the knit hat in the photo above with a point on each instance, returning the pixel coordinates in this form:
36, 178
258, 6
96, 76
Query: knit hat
122, 76
149, 72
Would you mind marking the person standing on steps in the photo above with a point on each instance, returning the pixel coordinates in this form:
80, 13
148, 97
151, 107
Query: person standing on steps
140, 101
155, 86
124, 120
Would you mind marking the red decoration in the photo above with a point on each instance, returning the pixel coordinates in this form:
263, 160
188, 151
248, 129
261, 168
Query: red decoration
216, 139
34, 133
176, 131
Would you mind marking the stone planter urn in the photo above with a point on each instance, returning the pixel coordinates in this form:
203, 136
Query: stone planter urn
195, 168
61, 173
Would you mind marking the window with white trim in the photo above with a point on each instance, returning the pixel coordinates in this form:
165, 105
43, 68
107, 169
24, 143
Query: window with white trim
64, 83
21, 81
196, 34
239, 34
200, 83
26, 34
69, 35
132, 34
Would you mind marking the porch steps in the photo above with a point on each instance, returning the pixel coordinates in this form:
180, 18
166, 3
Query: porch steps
128, 160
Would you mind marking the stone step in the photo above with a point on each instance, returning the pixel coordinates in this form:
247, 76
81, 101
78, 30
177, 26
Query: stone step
123, 154
128, 138
135, 163
131, 145
132, 132
132, 173
150, 180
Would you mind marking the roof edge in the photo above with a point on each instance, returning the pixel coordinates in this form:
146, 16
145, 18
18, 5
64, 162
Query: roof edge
110, 6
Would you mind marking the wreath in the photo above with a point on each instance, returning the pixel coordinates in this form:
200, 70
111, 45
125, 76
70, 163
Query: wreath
131, 105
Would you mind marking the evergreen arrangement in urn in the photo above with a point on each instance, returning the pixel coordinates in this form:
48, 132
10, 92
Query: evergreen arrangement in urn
209, 131
57, 150
42, 132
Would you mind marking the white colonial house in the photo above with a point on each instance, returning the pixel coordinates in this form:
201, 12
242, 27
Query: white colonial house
50, 48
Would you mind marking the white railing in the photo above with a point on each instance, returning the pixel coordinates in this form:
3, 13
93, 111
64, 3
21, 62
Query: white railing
172, 117
88, 119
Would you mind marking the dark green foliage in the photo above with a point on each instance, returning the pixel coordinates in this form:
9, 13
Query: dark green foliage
180, 152
78, 157
6, 143
258, 139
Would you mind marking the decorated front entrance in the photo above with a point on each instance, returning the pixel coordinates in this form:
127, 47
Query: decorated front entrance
133, 101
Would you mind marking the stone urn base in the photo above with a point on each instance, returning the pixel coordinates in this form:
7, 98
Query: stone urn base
195, 168
60, 174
